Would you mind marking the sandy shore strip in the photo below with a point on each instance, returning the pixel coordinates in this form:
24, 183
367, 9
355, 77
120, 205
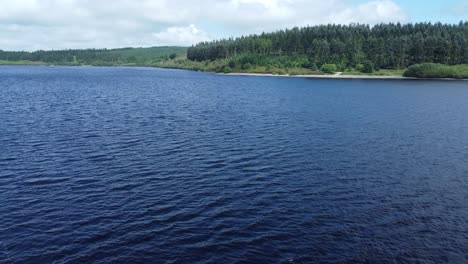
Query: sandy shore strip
342, 76
325, 76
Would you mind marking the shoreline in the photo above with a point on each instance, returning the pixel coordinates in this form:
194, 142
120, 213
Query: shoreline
310, 76
341, 76
325, 76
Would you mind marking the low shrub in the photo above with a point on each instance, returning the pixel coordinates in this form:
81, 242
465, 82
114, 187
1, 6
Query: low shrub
246, 66
328, 68
227, 69
359, 67
433, 70
232, 64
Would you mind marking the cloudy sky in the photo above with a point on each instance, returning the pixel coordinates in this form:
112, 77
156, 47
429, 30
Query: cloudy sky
60, 24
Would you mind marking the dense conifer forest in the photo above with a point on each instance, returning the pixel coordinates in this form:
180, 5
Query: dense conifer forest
383, 46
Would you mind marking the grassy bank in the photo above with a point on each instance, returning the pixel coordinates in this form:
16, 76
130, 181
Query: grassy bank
218, 66
382, 72
280, 66
223, 66
432, 70
277, 65
22, 62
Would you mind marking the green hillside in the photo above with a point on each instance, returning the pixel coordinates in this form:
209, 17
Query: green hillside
111, 57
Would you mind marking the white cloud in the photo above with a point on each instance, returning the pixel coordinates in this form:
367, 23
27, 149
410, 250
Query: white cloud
258, 15
52, 24
374, 12
181, 35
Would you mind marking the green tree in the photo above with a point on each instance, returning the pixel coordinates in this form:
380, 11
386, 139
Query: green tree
367, 67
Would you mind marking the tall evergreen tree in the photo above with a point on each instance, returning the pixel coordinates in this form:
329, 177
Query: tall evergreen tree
384, 45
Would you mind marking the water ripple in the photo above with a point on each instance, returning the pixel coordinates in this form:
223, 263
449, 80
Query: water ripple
136, 165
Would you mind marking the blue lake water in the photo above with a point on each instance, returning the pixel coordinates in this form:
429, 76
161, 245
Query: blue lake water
141, 165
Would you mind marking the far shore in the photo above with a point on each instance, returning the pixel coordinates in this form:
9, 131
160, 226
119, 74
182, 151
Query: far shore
338, 75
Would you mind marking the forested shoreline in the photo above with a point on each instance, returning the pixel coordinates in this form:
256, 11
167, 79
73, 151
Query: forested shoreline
385, 46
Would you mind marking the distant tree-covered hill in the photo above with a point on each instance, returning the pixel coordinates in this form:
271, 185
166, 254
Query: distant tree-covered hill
383, 46
138, 56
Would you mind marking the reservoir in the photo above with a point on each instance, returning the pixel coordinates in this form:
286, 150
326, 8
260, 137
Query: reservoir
143, 165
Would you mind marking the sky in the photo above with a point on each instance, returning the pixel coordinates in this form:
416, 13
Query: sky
63, 24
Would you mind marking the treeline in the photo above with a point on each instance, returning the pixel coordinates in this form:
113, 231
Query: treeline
384, 46
96, 56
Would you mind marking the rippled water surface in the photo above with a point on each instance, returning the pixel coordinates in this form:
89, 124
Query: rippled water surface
137, 165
